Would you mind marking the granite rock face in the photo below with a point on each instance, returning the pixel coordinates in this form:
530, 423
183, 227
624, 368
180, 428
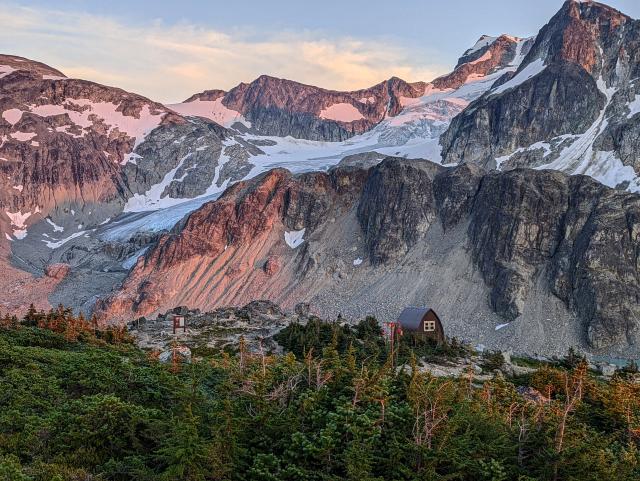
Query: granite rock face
569, 105
524, 230
397, 207
560, 100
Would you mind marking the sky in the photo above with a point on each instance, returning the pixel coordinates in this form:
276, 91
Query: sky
169, 50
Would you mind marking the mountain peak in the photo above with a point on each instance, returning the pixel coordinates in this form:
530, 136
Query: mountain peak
485, 41
581, 32
488, 55
211, 95
12, 63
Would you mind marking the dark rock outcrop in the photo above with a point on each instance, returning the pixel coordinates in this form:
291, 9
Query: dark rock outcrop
562, 99
397, 207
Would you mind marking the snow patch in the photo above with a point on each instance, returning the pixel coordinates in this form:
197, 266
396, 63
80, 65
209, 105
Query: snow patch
484, 41
131, 158
294, 238
153, 198
212, 110
131, 261
12, 115
341, 112
536, 146
18, 187
56, 227
6, 70
19, 222
531, 70
500, 326
634, 107
56, 244
357, 262
23, 136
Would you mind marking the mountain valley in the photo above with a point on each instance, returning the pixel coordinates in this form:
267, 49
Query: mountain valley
503, 194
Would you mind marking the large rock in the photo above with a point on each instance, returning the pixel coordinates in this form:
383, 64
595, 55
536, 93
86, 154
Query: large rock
57, 271
181, 354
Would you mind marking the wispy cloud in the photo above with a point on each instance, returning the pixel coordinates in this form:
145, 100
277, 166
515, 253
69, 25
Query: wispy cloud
169, 62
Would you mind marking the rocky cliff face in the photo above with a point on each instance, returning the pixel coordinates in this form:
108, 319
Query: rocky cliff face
64, 140
531, 236
569, 106
488, 56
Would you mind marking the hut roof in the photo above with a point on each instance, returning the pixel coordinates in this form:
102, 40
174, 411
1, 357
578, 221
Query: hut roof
410, 317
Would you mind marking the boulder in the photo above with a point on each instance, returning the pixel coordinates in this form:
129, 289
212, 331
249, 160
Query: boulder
182, 353
57, 271
302, 309
271, 266
607, 370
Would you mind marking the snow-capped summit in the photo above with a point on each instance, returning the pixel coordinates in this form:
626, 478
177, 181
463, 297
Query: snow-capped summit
571, 104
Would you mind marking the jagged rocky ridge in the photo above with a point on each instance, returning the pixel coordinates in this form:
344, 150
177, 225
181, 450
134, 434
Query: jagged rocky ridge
571, 104
526, 233
280, 107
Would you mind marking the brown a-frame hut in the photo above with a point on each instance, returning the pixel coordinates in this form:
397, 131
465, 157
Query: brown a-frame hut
421, 322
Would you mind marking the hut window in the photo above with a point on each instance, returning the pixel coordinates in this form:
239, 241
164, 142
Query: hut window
429, 326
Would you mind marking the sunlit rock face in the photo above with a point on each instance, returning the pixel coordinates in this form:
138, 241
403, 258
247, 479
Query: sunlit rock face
571, 104
280, 107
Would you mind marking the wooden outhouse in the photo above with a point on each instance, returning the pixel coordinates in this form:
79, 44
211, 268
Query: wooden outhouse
179, 322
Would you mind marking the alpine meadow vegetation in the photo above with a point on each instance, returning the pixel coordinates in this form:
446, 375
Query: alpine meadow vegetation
78, 402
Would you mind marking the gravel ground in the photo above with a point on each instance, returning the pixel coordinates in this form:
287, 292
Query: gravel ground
424, 277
